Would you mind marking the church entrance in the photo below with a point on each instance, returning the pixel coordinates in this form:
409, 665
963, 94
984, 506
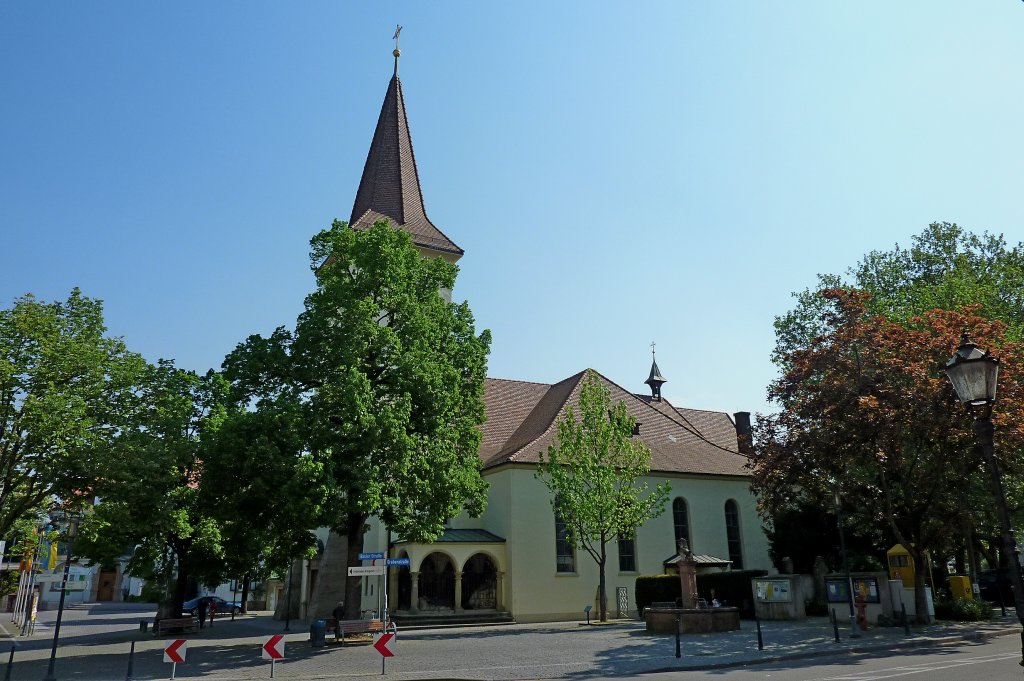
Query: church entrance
479, 583
437, 583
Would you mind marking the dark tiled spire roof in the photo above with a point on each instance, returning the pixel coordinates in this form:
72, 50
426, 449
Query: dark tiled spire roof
390, 187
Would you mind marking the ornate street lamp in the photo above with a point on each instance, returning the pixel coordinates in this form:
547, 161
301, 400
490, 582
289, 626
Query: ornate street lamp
973, 373
73, 521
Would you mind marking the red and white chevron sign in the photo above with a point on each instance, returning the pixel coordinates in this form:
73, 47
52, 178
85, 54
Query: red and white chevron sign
273, 649
174, 651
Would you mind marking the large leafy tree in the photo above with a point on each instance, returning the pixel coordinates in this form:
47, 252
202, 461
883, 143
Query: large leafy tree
65, 389
593, 472
265, 491
866, 410
944, 267
389, 376
151, 488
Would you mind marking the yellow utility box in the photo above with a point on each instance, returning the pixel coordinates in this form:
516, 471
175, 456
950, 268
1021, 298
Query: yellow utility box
960, 586
901, 565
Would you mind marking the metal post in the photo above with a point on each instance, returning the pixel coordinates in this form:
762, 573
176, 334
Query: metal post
10, 662
27, 604
906, 623
846, 567
234, 599
131, 664
60, 607
985, 431
835, 625
679, 624
760, 640
288, 611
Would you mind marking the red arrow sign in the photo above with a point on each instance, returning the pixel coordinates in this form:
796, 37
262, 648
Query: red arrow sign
273, 649
175, 651
380, 642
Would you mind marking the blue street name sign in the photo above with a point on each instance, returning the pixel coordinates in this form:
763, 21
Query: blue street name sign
373, 555
398, 561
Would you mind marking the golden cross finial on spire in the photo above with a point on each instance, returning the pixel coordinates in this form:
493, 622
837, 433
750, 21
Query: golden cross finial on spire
397, 52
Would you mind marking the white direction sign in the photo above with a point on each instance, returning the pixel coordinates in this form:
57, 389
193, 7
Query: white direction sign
363, 570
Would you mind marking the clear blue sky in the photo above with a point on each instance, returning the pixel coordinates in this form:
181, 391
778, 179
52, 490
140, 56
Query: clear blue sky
616, 172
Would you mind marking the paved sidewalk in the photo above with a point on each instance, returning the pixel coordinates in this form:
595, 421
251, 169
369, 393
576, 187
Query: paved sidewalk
95, 641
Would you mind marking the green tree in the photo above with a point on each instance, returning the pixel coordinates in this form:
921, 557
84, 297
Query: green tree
593, 472
866, 409
152, 487
389, 375
65, 388
265, 491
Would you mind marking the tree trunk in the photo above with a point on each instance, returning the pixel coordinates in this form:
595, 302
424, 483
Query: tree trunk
173, 608
920, 594
355, 528
602, 595
245, 594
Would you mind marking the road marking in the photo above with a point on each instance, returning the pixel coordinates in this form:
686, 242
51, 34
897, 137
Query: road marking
908, 670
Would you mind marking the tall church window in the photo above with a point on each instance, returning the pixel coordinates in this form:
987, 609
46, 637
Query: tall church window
565, 558
627, 554
732, 533
681, 520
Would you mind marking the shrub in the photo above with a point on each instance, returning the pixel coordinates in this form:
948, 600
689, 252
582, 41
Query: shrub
962, 610
656, 588
816, 608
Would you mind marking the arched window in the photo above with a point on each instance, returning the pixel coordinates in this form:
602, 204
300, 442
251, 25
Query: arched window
627, 553
732, 533
681, 519
565, 558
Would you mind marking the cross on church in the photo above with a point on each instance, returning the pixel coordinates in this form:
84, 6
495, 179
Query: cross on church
398, 30
652, 348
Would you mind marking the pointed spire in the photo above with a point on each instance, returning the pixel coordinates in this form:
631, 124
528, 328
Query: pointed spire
390, 186
655, 380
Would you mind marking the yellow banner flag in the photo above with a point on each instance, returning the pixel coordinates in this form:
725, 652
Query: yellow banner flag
53, 556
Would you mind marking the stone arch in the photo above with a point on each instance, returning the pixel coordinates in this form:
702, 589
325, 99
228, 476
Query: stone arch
436, 583
480, 582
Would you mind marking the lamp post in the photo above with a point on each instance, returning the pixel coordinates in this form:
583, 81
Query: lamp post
973, 373
854, 633
73, 521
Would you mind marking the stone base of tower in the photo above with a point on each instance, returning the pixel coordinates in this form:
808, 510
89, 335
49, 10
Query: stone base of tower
329, 585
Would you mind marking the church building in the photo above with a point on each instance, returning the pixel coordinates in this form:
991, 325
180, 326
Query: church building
514, 562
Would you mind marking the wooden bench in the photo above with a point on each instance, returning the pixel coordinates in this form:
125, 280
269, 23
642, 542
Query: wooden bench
342, 627
162, 626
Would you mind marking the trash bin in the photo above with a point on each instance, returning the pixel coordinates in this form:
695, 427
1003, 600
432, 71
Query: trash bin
143, 626
317, 633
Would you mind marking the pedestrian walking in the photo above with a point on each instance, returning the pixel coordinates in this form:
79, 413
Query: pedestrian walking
202, 612
213, 610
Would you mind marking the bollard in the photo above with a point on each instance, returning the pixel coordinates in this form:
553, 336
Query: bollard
679, 623
131, 664
906, 624
760, 640
10, 662
835, 625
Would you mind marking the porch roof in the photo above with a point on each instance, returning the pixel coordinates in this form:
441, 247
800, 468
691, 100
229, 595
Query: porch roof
465, 536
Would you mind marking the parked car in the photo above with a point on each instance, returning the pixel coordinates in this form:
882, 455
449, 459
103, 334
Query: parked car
993, 582
223, 607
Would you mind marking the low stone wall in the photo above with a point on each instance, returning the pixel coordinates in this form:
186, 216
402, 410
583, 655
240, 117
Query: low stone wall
692, 621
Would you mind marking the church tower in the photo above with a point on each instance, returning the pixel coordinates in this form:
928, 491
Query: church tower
390, 186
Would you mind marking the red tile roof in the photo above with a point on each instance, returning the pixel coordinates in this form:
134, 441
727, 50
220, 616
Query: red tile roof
390, 185
522, 417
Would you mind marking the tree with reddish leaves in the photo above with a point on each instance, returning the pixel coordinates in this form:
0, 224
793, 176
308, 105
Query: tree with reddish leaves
868, 412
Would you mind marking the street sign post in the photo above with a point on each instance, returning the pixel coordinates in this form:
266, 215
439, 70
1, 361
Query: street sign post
273, 650
363, 570
371, 555
380, 644
174, 652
